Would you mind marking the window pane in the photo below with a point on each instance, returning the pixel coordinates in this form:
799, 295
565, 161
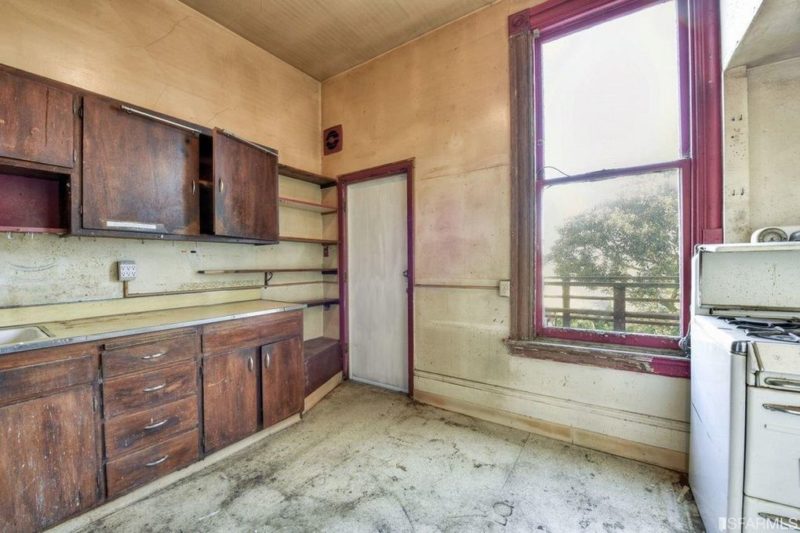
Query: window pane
611, 95
610, 254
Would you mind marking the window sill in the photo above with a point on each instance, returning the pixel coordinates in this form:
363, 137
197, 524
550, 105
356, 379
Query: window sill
671, 363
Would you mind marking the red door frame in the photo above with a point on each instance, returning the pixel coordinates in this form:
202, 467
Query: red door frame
398, 167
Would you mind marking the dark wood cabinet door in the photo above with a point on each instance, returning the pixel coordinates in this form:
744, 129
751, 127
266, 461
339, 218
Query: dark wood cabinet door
36, 121
230, 397
283, 380
140, 174
245, 189
48, 459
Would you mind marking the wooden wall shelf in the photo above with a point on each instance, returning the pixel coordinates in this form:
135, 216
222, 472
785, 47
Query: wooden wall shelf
294, 203
308, 240
266, 270
317, 302
303, 175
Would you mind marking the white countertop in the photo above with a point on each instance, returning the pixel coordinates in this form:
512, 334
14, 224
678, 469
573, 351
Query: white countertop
104, 327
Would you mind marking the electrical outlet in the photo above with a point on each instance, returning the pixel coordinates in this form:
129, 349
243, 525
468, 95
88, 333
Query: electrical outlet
504, 288
126, 270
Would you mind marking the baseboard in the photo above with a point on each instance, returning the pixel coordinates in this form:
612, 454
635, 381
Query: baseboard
83, 521
322, 391
646, 453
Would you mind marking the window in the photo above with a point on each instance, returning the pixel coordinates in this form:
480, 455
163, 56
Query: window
620, 177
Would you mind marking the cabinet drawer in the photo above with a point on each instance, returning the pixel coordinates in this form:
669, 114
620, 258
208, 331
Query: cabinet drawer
248, 332
144, 352
772, 449
145, 428
31, 374
151, 463
767, 516
150, 389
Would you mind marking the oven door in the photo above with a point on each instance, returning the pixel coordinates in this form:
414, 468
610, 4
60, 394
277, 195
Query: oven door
772, 450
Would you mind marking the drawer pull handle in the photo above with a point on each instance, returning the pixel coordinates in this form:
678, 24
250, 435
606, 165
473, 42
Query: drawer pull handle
789, 409
155, 388
157, 461
783, 521
783, 383
157, 424
154, 356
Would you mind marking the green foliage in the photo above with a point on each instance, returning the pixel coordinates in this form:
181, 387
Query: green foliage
629, 238
632, 236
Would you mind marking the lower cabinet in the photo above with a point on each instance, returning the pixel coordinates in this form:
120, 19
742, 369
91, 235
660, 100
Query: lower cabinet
50, 466
230, 397
282, 380
69, 440
253, 376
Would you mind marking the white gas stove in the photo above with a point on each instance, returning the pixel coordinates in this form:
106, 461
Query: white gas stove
744, 465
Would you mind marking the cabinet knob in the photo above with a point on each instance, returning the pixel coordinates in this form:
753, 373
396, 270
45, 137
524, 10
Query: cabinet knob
194, 187
221, 185
250, 363
266, 359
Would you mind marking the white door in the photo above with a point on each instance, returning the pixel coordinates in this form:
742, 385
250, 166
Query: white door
377, 266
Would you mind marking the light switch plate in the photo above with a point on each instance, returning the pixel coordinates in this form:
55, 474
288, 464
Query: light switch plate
504, 288
126, 270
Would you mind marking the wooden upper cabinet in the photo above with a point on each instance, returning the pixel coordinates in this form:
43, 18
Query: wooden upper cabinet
245, 189
282, 380
36, 121
140, 171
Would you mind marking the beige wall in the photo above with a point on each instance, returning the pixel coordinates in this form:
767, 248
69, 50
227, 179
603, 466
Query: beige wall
161, 55
762, 111
444, 100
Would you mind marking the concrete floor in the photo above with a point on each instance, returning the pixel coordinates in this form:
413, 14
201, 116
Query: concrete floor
365, 459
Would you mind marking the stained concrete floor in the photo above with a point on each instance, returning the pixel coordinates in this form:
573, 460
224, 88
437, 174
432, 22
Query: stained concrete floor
365, 459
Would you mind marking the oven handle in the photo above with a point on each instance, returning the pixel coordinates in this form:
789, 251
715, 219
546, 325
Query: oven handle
783, 383
783, 521
789, 409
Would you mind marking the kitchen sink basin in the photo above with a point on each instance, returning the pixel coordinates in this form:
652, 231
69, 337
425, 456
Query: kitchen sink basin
22, 335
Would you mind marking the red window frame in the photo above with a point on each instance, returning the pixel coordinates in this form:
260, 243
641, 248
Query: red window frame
558, 18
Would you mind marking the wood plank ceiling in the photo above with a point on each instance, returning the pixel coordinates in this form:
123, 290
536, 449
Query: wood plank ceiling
324, 38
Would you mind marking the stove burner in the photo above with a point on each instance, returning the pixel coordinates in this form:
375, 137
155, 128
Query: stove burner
764, 328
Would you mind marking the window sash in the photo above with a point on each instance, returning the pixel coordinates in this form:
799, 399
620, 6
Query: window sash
554, 30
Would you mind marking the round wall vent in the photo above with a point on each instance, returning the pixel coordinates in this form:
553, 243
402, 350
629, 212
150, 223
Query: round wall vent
332, 140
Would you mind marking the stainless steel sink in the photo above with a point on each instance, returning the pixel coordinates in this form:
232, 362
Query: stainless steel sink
22, 335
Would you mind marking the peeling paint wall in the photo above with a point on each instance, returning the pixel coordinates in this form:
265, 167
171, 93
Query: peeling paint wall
444, 100
161, 55
762, 159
